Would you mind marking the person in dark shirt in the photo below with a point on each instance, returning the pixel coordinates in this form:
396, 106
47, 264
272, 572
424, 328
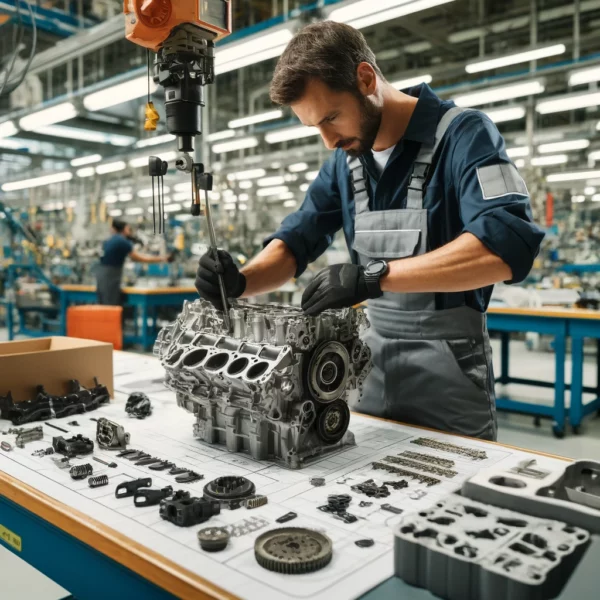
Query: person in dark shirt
434, 213
110, 271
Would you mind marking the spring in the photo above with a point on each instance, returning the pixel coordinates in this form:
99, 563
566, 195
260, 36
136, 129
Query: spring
81, 471
95, 482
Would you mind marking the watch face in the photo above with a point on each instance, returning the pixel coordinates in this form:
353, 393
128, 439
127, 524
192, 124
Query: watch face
376, 267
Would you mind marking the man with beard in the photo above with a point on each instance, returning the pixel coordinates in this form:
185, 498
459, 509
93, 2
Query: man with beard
434, 214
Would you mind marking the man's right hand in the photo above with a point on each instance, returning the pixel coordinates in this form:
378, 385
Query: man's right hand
207, 280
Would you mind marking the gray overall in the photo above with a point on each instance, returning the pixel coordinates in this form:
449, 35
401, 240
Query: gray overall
108, 285
430, 367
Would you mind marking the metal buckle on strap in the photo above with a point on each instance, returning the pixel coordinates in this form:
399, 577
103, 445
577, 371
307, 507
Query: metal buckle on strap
420, 172
359, 186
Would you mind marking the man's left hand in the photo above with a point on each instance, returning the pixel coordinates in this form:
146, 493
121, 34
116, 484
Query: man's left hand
338, 286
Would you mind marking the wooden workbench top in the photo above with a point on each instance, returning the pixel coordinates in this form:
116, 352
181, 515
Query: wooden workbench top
71, 287
548, 311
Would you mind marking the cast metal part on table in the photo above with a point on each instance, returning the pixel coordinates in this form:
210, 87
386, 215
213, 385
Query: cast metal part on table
112, 465
162, 466
5, 446
189, 477
126, 453
81, 471
371, 489
404, 473
317, 481
29, 435
417, 494
138, 405
61, 462
46, 406
485, 552
73, 423
397, 485
277, 386
99, 481
148, 461
337, 505
363, 504
411, 464
287, 517
293, 550
213, 539
129, 488
525, 468
256, 501
77, 445
246, 526
184, 511
111, 435
43, 452
392, 509
137, 455
367, 543
231, 491
452, 448
148, 497
429, 458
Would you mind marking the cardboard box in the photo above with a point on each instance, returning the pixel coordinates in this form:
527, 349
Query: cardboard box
52, 362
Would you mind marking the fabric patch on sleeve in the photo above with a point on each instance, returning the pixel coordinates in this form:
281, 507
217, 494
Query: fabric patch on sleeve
500, 180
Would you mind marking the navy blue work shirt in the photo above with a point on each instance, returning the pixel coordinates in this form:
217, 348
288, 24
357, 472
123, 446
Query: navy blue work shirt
115, 250
454, 198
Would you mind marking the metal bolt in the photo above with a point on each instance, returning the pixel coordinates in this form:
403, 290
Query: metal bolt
112, 465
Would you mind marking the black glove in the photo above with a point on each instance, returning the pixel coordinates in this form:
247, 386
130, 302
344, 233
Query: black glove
338, 286
207, 281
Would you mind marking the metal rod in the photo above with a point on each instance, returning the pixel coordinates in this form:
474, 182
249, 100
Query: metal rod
55, 427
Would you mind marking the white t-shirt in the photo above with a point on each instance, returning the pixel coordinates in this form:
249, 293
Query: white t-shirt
381, 158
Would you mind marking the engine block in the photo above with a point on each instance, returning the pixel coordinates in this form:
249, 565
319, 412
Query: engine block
277, 386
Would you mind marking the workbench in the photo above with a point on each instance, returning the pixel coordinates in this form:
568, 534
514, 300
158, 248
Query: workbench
64, 532
561, 323
145, 301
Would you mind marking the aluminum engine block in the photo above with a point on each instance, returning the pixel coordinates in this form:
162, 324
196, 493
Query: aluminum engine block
277, 387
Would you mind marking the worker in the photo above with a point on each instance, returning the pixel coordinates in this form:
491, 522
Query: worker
110, 270
433, 212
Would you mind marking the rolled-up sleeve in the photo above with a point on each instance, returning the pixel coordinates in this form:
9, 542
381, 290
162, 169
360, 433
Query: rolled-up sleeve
494, 201
309, 231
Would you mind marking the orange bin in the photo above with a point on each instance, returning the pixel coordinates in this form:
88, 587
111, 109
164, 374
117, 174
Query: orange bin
95, 322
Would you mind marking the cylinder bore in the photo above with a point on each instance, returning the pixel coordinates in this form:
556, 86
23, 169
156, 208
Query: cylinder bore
175, 356
257, 370
195, 357
217, 361
237, 366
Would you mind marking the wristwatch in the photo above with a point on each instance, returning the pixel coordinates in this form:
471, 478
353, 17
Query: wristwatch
374, 271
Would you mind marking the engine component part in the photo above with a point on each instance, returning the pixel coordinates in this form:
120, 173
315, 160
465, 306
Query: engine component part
56, 427
364, 504
45, 406
451, 448
346, 517
138, 405
73, 423
429, 458
127, 453
77, 445
61, 463
5, 446
98, 481
276, 386
147, 497
81, 471
256, 501
404, 473
417, 494
525, 468
189, 477
148, 461
317, 481
367, 543
137, 455
129, 488
29, 435
213, 539
231, 491
371, 489
287, 517
397, 485
44, 452
111, 435
246, 526
162, 466
392, 509
184, 511
339, 501
292, 550
411, 464
175, 470
112, 465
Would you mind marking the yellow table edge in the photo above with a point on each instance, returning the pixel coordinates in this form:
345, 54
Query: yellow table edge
550, 311
71, 287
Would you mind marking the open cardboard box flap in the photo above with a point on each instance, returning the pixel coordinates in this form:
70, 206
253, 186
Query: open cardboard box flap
53, 362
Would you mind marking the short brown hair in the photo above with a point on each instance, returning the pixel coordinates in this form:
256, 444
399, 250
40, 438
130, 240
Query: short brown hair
328, 51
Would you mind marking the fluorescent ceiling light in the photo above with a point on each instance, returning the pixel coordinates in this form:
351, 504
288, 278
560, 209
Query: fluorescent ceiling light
290, 133
117, 94
594, 156
577, 199
182, 196
85, 172
517, 151
142, 161
136, 210
588, 191
598, 126
569, 102
563, 146
311, 175
86, 135
290, 203
277, 164
228, 193
574, 176
290, 177
7, 128
111, 167
554, 159
402, 84
243, 207
259, 118
509, 113
241, 144
110, 198
298, 167
497, 94
585, 76
72, 203
596, 198
229, 206
244, 197
183, 187
304, 187
86, 160
154, 141
245, 185
520, 163
287, 196
256, 49
173, 207
366, 12
37, 181
250, 174
220, 135
116, 212
273, 191
515, 59
48, 116
147, 192
125, 197
271, 181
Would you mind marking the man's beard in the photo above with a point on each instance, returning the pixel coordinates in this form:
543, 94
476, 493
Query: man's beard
370, 121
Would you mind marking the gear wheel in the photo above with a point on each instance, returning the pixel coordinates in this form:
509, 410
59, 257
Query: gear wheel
293, 550
333, 421
213, 539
